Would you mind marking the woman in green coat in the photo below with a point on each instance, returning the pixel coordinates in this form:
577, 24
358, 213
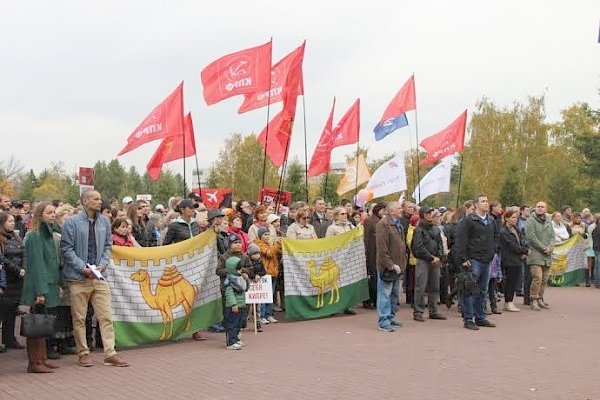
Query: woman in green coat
41, 282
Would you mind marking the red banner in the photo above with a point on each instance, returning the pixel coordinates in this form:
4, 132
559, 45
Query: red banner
247, 71
267, 195
405, 100
86, 176
276, 136
279, 74
173, 148
165, 120
215, 198
319, 163
348, 128
448, 141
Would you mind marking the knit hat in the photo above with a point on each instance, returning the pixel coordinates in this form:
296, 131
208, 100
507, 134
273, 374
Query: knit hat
233, 238
253, 249
261, 232
272, 218
232, 264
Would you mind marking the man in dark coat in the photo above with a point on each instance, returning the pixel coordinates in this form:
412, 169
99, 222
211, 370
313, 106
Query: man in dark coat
370, 239
391, 257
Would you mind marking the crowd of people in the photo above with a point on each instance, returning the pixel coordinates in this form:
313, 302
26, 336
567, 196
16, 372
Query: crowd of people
473, 256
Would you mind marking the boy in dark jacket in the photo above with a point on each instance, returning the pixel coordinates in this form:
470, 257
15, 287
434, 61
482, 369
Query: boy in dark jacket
259, 270
427, 249
236, 284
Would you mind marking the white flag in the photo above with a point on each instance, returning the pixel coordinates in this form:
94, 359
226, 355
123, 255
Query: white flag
436, 181
389, 178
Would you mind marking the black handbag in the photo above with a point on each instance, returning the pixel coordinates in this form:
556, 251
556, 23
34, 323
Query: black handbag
37, 325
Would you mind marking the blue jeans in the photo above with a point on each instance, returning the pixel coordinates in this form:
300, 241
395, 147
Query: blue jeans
387, 298
232, 326
473, 305
597, 269
266, 309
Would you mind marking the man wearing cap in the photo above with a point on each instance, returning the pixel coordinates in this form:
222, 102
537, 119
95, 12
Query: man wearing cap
127, 200
427, 249
215, 218
185, 226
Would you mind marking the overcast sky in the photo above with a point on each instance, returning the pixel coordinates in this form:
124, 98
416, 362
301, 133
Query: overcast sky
76, 77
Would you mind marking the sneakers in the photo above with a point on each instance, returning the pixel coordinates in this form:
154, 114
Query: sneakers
240, 343
264, 321
396, 324
437, 316
386, 329
115, 361
85, 360
543, 304
510, 306
485, 323
534, 305
418, 317
234, 346
271, 319
471, 326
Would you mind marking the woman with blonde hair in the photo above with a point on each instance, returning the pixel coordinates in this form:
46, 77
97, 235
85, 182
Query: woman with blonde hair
301, 229
41, 283
340, 222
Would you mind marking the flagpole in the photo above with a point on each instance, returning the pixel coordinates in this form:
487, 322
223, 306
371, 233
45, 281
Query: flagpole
356, 174
267, 133
198, 175
184, 178
305, 148
417, 147
326, 181
412, 170
284, 167
459, 179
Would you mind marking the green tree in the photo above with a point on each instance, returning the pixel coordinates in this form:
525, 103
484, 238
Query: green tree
295, 180
240, 167
29, 182
328, 184
211, 179
511, 192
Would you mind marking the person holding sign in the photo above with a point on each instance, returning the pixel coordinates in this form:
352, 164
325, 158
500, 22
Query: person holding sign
270, 255
259, 270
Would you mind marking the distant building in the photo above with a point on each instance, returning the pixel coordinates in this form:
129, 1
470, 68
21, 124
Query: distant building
203, 173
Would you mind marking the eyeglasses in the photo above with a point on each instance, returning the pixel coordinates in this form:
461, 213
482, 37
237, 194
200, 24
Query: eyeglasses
202, 210
343, 214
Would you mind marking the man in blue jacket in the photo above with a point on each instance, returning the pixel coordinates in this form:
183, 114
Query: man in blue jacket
86, 241
476, 238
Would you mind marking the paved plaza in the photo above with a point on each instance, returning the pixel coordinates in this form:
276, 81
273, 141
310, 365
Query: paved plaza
530, 355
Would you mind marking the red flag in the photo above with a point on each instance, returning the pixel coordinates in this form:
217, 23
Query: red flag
246, 71
215, 198
405, 100
448, 141
165, 120
280, 127
348, 128
173, 148
268, 195
319, 163
279, 74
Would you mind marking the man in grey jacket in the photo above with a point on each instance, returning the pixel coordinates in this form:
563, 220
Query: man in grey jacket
86, 242
540, 236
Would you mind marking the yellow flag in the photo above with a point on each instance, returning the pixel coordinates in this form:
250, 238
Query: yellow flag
356, 174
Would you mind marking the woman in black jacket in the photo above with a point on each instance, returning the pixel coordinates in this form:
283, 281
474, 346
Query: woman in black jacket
513, 250
11, 252
185, 226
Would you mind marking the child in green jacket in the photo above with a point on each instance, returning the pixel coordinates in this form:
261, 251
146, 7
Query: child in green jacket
235, 284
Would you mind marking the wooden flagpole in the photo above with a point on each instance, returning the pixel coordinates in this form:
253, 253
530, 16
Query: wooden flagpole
417, 148
305, 149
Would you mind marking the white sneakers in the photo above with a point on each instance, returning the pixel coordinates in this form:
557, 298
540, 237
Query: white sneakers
235, 346
271, 319
264, 321
510, 306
